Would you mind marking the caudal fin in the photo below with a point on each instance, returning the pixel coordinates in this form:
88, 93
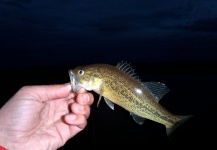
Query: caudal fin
170, 131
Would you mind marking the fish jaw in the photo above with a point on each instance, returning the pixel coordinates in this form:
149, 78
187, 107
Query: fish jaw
77, 84
74, 81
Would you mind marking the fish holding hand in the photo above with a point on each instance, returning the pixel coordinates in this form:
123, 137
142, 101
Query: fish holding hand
119, 85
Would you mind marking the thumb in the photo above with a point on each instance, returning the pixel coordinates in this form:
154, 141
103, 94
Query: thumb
50, 92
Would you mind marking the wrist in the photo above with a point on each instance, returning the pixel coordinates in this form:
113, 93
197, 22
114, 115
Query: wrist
3, 145
2, 148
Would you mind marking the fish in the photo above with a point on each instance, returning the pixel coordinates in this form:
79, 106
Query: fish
120, 85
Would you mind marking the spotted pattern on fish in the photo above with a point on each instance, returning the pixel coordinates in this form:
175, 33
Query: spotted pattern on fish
120, 88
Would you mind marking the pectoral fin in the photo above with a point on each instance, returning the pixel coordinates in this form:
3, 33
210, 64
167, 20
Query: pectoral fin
137, 118
100, 94
109, 103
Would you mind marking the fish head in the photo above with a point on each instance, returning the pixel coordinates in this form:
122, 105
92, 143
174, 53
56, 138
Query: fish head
83, 77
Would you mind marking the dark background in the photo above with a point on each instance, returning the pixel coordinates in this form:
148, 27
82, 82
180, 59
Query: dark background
172, 41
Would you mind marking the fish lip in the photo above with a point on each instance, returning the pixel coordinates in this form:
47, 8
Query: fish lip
74, 81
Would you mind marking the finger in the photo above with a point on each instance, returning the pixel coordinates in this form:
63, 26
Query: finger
85, 98
50, 92
76, 120
81, 90
81, 109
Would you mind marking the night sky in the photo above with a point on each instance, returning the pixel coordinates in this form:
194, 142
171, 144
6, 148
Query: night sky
171, 41
65, 32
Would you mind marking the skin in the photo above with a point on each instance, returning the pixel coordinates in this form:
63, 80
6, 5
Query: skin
43, 117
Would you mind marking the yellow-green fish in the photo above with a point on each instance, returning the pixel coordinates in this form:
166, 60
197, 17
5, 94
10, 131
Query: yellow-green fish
119, 85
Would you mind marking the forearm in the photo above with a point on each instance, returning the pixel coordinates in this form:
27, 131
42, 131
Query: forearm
2, 137
7, 144
4, 142
1, 130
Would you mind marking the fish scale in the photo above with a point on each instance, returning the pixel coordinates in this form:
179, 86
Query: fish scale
132, 101
119, 85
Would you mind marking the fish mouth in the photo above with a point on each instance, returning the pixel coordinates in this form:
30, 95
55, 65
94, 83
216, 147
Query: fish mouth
74, 81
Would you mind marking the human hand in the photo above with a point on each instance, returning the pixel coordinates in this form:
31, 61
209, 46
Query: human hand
43, 117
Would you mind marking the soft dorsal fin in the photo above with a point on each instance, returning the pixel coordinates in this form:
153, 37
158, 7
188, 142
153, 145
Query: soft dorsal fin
127, 68
157, 89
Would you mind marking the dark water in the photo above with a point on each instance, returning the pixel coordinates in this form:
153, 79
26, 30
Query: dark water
192, 92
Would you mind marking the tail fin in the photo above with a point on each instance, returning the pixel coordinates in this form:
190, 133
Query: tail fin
170, 131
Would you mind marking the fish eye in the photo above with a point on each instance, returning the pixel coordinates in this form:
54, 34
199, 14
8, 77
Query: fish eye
81, 72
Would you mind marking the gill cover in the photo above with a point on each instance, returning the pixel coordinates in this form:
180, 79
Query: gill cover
74, 81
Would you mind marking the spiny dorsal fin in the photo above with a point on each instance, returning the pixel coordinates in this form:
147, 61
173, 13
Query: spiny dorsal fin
127, 68
157, 89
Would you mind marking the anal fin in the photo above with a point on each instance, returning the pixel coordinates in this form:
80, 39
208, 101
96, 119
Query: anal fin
109, 103
137, 118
